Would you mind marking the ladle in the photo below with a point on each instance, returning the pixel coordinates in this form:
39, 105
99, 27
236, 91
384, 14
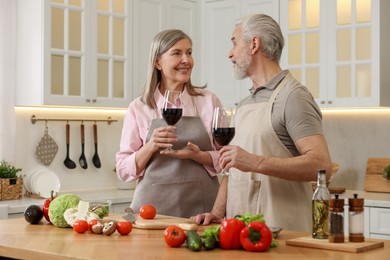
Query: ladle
82, 160
68, 162
95, 158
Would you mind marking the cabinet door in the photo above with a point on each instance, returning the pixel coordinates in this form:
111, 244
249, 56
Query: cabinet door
218, 21
183, 15
217, 26
332, 47
150, 17
303, 24
110, 66
379, 221
353, 68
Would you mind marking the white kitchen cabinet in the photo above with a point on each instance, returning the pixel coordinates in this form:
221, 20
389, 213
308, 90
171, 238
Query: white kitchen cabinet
85, 53
338, 49
217, 25
74, 53
152, 16
378, 222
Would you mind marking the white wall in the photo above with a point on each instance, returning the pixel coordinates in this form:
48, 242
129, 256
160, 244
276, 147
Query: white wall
28, 136
353, 136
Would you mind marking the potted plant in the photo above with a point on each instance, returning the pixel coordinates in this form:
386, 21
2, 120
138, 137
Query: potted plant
11, 185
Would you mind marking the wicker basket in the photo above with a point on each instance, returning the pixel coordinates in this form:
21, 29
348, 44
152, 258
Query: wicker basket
11, 189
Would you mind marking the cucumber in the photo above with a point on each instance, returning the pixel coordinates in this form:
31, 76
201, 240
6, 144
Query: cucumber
209, 243
194, 241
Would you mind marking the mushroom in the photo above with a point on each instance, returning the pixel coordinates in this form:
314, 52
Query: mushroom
109, 228
97, 228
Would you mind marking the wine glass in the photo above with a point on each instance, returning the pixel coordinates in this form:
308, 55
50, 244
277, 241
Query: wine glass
172, 108
222, 129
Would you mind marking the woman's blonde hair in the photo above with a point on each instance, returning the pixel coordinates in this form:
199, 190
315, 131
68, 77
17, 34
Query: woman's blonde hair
161, 43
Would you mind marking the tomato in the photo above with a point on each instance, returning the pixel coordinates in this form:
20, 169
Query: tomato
174, 236
80, 226
91, 223
147, 212
124, 227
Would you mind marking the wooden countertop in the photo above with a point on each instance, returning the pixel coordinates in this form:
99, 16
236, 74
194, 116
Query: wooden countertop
19, 239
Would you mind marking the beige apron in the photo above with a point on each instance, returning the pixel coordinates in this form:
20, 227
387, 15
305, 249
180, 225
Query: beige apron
284, 203
178, 187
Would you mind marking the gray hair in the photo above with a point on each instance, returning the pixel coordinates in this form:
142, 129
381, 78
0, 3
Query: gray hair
161, 43
267, 29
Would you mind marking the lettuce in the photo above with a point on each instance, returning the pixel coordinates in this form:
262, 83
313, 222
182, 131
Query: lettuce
58, 207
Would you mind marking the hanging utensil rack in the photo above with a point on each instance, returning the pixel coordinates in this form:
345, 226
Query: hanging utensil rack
109, 120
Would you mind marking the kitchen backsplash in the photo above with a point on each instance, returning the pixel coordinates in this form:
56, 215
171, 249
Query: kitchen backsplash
352, 135
28, 136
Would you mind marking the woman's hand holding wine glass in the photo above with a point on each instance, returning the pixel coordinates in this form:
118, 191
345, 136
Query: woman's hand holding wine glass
222, 129
172, 108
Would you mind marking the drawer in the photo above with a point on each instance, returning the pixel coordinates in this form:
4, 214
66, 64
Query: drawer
379, 220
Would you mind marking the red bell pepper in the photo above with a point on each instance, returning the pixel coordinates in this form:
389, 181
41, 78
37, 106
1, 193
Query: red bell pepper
46, 205
256, 237
229, 234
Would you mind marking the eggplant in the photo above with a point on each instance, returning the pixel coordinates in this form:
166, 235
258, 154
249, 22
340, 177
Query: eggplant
33, 214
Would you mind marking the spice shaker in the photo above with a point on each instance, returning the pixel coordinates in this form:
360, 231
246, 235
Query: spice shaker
356, 219
336, 220
320, 208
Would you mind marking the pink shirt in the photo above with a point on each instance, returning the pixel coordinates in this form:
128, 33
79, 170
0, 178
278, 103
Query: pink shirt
137, 121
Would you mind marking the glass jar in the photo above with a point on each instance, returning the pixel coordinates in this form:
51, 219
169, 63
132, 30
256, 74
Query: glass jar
356, 219
336, 220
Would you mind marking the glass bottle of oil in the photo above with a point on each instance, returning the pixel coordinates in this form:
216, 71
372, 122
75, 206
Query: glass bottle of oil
320, 208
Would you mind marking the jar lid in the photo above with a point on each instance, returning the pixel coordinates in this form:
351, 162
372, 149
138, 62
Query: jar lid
356, 202
336, 204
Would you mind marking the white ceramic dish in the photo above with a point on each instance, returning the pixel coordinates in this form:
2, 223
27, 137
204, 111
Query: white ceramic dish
43, 182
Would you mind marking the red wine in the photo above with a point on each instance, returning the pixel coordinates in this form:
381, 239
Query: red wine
223, 135
171, 115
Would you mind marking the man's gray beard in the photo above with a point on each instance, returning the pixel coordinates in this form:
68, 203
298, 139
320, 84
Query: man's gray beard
240, 72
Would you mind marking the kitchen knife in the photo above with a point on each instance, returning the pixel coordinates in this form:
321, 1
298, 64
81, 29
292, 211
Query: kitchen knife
129, 216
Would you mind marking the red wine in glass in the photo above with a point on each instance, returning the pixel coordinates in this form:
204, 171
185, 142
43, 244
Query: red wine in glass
222, 129
172, 108
223, 135
171, 115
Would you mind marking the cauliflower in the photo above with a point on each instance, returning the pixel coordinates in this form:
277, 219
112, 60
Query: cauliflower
81, 212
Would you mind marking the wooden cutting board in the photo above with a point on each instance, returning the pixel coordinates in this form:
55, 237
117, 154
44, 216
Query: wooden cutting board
374, 180
310, 242
163, 221
159, 222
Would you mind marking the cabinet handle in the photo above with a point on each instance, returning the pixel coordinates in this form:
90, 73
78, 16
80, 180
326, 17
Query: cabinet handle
88, 100
94, 100
322, 102
330, 102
